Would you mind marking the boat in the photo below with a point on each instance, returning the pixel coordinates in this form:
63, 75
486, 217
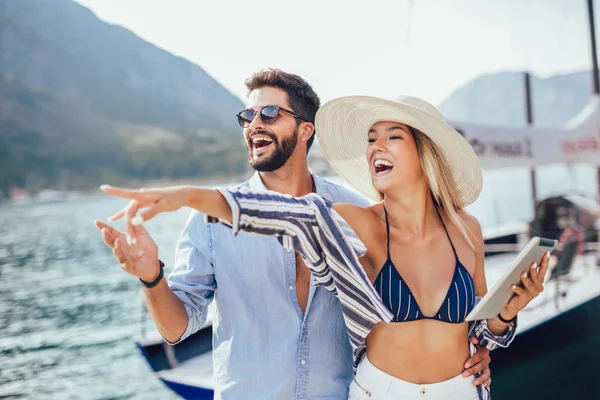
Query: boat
555, 352
185, 368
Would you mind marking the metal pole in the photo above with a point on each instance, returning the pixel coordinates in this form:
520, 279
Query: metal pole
529, 110
593, 43
594, 65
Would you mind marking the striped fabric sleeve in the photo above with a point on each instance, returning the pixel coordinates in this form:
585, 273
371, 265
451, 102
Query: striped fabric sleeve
293, 220
487, 339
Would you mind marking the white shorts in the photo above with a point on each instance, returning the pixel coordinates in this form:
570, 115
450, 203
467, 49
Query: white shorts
372, 383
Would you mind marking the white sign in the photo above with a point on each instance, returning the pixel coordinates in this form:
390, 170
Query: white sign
576, 142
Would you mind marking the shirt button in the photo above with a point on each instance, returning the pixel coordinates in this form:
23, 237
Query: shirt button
303, 362
423, 392
291, 287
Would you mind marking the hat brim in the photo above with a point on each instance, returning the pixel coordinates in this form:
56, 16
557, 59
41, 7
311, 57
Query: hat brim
342, 127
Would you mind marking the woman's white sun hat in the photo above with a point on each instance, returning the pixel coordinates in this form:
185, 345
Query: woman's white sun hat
343, 124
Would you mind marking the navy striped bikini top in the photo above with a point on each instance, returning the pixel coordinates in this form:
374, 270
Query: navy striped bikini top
396, 294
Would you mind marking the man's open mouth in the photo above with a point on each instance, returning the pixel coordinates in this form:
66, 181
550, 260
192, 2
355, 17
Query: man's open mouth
259, 142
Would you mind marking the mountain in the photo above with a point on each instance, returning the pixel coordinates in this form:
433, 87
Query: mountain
499, 99
83, 101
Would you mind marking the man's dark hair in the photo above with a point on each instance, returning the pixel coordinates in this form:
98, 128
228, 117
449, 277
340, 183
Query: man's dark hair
301, 96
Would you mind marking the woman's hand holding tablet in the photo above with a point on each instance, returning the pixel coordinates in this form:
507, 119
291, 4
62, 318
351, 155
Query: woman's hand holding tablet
521, 283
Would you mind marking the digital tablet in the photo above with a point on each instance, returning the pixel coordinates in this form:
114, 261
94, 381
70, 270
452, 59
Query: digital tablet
499, 295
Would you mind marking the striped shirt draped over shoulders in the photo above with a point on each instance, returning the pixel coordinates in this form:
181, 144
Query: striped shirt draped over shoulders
331, 250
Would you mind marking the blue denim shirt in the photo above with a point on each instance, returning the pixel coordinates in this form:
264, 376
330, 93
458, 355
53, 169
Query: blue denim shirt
264, 346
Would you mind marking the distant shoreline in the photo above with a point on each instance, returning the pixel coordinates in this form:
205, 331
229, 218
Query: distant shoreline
198, 181
59, 194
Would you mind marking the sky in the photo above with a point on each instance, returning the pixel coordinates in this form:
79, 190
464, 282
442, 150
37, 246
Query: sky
425, 48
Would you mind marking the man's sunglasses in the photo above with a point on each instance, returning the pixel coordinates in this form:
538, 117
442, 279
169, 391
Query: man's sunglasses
268, 115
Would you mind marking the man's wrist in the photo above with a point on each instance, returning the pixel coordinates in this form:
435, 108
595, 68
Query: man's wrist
153, 282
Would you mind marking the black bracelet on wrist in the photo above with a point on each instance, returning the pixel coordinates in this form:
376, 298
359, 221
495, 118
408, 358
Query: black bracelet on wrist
506, 321
150, 285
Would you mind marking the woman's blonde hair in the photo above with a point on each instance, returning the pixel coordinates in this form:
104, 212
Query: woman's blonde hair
438, 175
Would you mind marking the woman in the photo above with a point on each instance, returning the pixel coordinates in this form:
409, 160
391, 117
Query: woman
407, 269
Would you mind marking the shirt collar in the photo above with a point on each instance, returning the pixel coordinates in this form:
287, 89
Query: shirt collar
256, 184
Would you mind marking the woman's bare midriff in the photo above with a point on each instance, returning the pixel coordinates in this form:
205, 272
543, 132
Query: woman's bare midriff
419, 352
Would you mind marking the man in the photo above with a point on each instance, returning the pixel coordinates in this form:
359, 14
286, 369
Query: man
275, 335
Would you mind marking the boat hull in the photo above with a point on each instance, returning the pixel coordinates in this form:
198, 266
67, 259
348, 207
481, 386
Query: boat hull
189, 392
558, 359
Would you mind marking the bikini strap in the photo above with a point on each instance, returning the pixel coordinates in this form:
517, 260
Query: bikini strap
444, 225
387, 230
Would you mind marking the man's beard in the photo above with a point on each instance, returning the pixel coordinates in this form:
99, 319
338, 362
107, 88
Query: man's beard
279, 155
